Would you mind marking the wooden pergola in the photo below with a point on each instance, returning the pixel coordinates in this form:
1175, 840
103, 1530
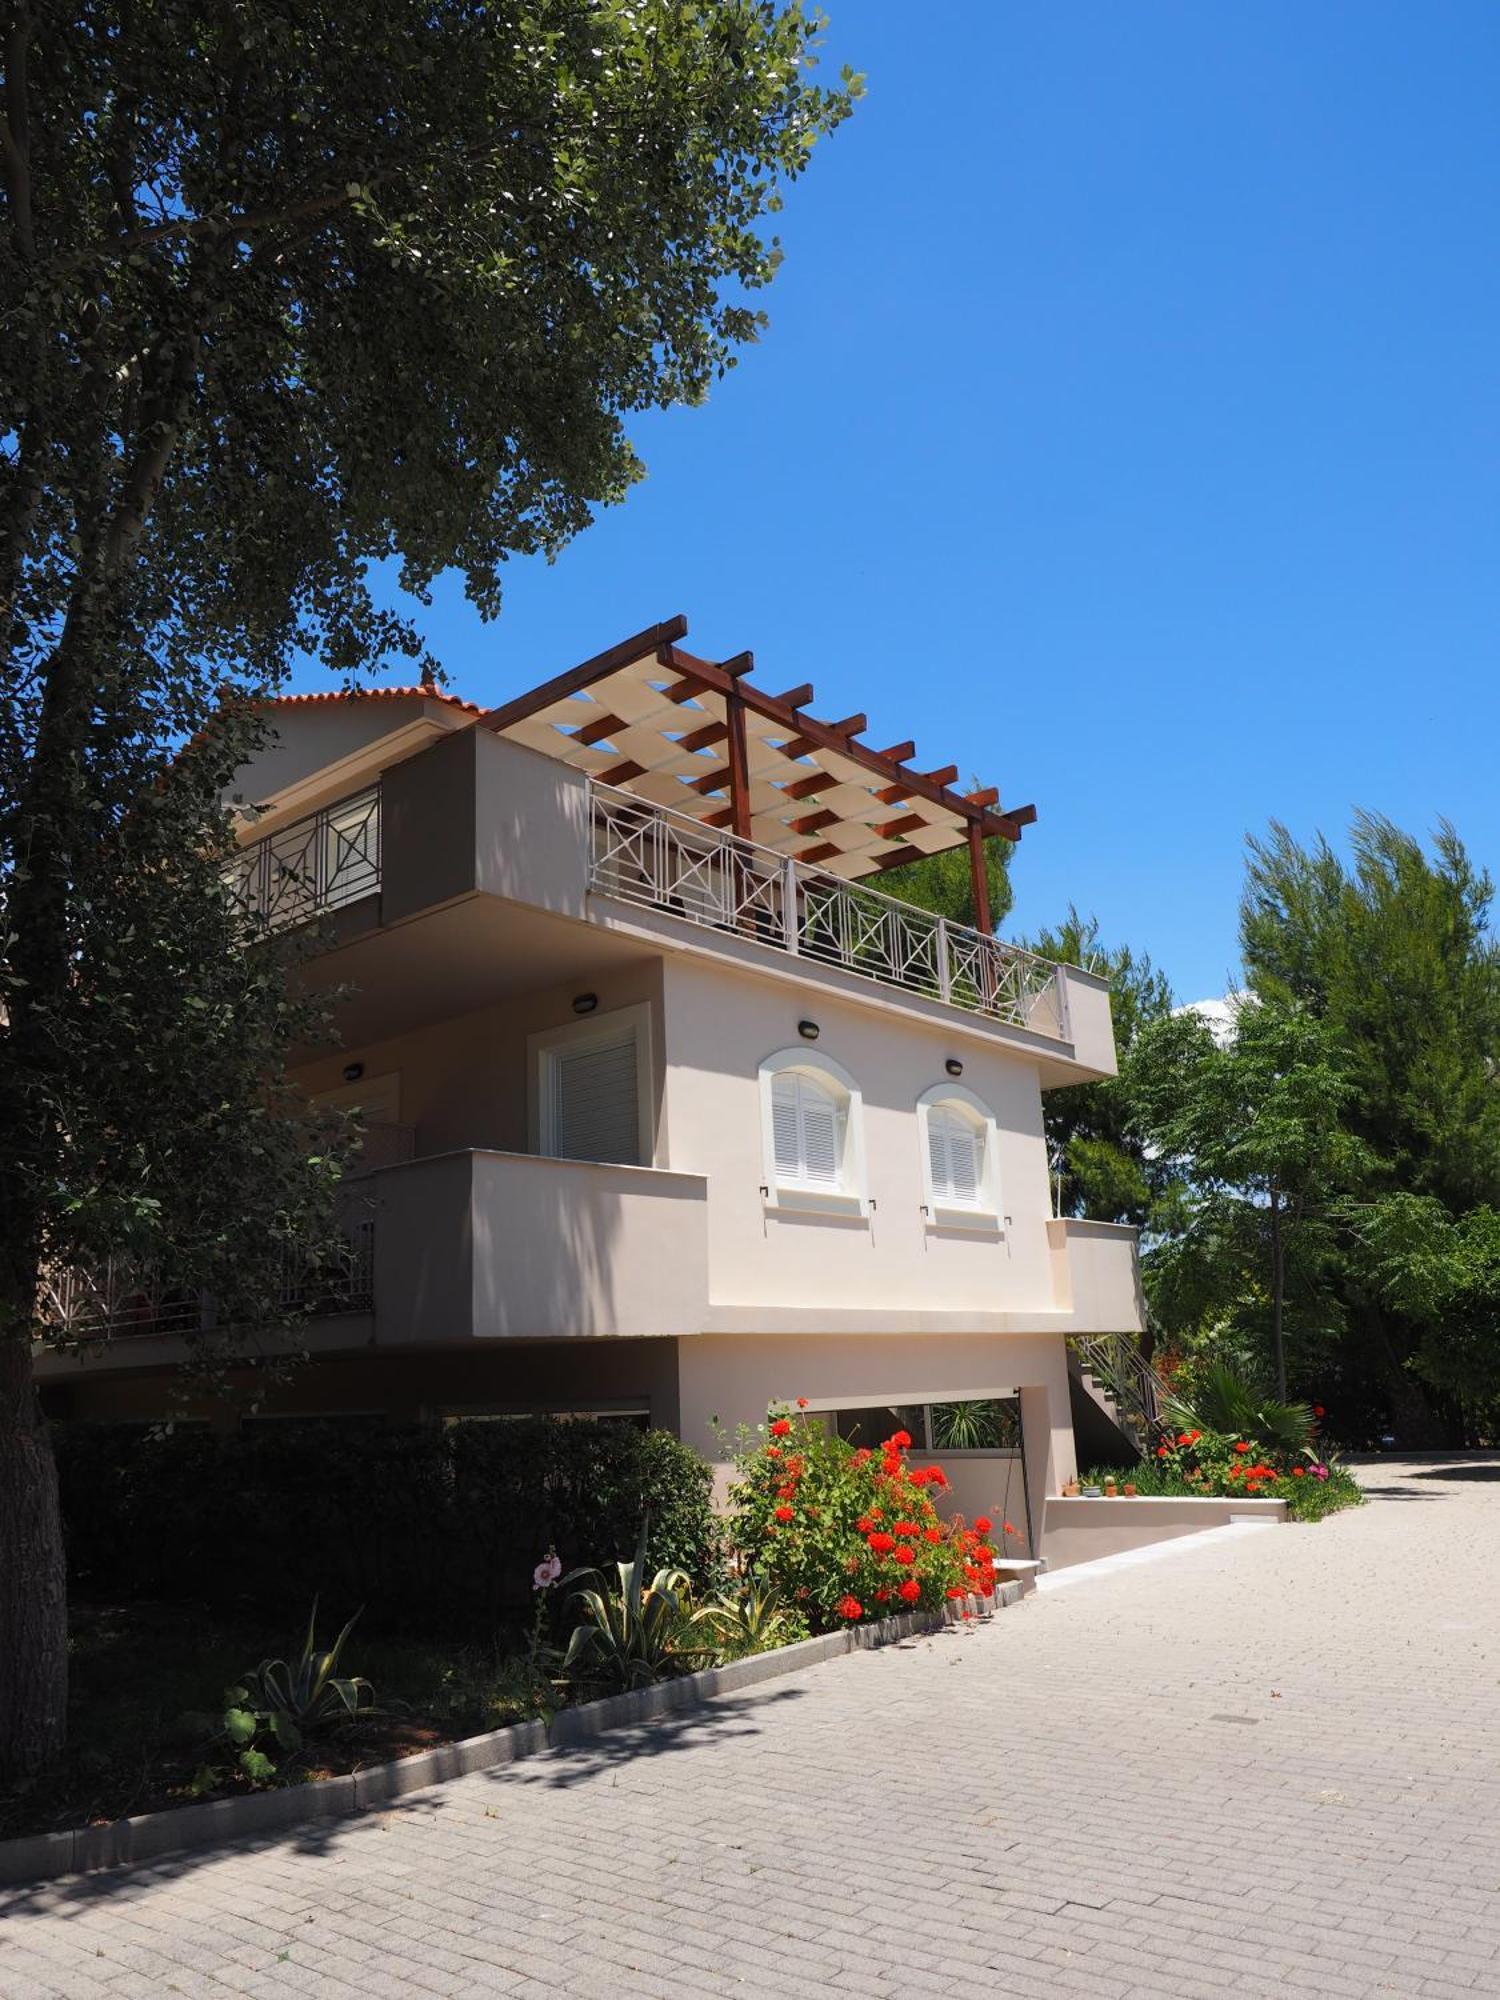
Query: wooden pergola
699, 738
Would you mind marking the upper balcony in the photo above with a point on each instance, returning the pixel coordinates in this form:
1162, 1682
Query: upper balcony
666, 801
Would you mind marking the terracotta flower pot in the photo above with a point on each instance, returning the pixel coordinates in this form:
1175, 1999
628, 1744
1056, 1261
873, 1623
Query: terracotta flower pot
1111, 1489
1070, 1491
1130, 1489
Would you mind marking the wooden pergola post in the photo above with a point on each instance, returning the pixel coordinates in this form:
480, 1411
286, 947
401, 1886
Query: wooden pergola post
738, 757
979, 879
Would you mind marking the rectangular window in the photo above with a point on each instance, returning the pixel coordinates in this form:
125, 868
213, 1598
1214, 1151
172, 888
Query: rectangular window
592, 1090
806, 1126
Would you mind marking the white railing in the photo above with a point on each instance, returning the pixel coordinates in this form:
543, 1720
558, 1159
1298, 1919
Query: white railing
647, 854
314, 865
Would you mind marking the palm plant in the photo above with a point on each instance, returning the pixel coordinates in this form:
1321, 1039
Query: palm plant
1223, 1401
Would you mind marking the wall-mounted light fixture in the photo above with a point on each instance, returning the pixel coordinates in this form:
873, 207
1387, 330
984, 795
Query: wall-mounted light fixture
808, 1030
585, 1003
953, 1066
353, 1072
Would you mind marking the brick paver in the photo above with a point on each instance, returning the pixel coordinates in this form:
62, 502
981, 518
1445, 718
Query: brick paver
1267, 1765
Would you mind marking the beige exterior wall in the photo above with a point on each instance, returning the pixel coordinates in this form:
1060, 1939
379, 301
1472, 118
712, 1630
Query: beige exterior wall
1078, 1530
719, 1027
734, 1378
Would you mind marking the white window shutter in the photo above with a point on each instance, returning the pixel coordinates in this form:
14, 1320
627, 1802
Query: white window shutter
807, 1131
596, 1107
820, 1137
784, 1124
937, 1153
955, 1153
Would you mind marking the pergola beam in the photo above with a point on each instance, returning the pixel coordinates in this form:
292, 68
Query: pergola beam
639, 647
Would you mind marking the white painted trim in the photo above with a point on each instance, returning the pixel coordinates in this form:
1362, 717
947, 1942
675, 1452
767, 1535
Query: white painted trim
983, 1215
852, 1197
541, 1108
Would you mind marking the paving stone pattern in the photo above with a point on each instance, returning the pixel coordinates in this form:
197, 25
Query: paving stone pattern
1270, 1765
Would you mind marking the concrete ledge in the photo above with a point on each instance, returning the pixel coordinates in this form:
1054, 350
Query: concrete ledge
130, 1842
1075, 1530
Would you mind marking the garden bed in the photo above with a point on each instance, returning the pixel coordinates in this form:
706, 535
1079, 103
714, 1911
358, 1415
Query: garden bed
103, 1841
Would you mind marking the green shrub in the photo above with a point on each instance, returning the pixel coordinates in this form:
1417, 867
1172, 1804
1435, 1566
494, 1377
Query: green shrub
845, 1534
428, 1527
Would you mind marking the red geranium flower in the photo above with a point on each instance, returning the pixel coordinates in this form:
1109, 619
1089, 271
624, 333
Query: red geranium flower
882, 1596
1161, 1451
937, 1477
1011, 1528
785, 1514
1242, 1446
1186, 1438
982, 1524
781, 1427
907, 1528
850, 1608
864, 1524
1319, 1411
955, 1592
802, 1402
1298, 1473
903, 1553
900, 1440
882, 1543
909, 1590
933, 1535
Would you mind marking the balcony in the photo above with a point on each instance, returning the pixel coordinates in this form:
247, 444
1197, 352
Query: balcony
651, 856
312, 866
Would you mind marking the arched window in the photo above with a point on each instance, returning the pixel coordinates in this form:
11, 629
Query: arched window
814, 1147
959, 1170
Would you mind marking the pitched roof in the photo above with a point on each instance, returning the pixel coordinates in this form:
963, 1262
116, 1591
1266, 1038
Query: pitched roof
374, 694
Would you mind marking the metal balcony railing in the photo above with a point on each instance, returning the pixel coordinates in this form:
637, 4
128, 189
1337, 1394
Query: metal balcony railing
647, 854
314, 865
122, 1300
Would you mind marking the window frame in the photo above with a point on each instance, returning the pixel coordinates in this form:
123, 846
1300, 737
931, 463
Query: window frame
983, 1215
542, 1051
851, 1197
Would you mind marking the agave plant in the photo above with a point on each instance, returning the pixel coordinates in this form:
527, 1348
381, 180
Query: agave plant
755, 1621
1224, 1402
642, 1632
295, 1702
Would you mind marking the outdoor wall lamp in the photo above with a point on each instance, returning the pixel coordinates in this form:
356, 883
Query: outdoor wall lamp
585, 1003
353, 1072
953, 1066
808, 1030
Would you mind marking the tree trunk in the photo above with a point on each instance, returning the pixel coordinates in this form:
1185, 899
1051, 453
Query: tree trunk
33, 1581
1278, 1298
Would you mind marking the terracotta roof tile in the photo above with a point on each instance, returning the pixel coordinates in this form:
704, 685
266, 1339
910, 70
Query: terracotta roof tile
374, 694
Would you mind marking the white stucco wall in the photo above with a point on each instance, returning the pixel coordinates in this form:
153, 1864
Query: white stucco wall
719, 1025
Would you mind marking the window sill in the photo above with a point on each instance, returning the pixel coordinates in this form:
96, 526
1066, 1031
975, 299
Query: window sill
973, 1221
813, 1201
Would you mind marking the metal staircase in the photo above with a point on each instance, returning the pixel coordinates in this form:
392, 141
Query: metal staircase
1122, 1386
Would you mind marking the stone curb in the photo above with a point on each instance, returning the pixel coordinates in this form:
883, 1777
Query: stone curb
131, 1842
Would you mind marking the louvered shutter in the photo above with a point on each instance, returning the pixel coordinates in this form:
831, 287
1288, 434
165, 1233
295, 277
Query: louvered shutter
805, 1123
596, 1110
955, 1153
820, 1136
785, 1125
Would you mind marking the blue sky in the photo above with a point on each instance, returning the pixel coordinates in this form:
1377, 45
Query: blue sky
1126, 430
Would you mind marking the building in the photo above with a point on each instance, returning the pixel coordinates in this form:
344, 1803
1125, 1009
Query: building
669, 1111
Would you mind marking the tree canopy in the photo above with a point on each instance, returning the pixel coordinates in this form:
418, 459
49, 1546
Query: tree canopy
289, 290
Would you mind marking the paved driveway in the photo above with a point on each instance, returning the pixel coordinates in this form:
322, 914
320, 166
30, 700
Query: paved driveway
1267, 1765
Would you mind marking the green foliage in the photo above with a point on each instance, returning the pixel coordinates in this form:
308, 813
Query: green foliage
944, 883
975, 1426
1223, 1401
301, 302
428, 1527
846, 1533
281, 1707
1106, 1169
754, 1620
640, 1633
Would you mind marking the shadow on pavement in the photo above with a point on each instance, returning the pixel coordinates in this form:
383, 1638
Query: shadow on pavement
1467, 1471
728, 1716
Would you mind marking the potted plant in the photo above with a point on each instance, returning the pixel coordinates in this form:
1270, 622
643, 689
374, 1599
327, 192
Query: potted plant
1070, 1490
